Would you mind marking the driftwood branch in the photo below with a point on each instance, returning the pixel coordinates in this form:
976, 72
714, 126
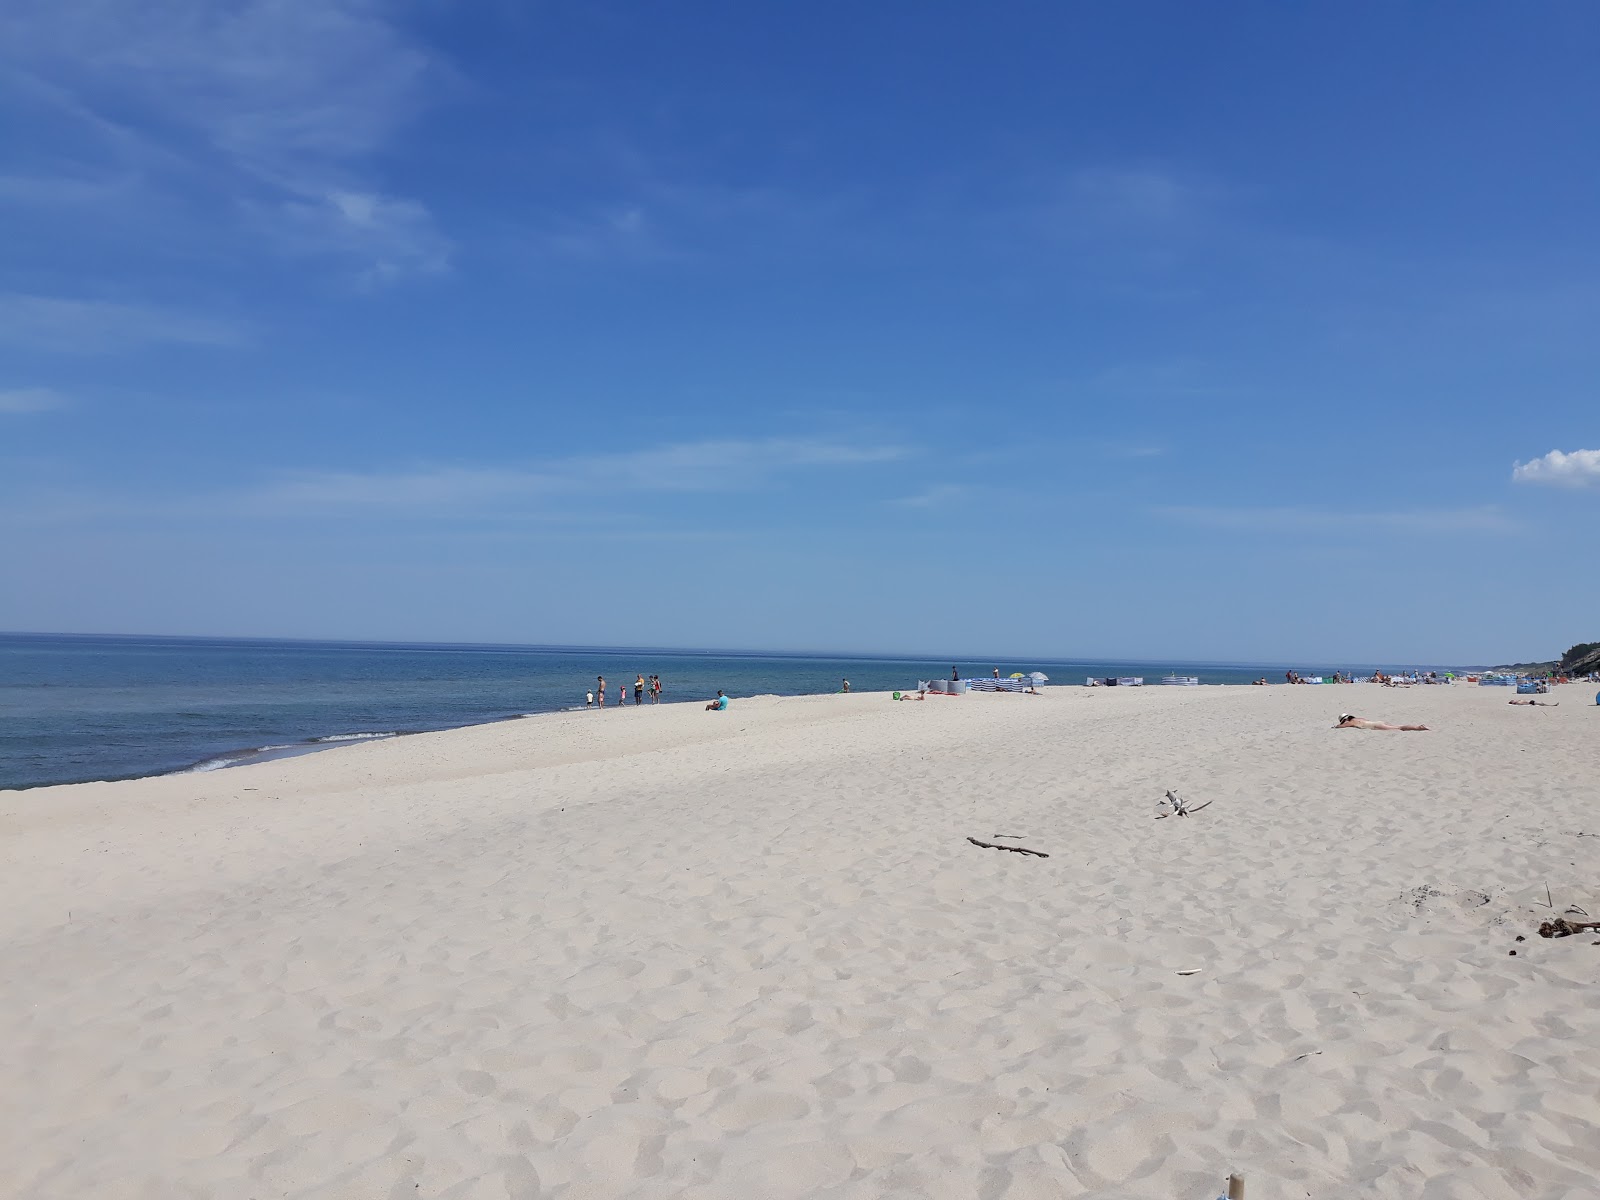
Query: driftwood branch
1013, 849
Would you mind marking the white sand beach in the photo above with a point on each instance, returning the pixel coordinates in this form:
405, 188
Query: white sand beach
666, 953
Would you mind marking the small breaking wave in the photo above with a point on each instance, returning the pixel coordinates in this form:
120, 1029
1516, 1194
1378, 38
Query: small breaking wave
232, 759
259, 754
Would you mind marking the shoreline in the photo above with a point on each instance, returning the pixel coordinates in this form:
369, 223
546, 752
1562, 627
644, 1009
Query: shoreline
231, 759
104, 708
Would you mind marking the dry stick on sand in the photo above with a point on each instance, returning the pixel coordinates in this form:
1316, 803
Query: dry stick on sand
1013, 849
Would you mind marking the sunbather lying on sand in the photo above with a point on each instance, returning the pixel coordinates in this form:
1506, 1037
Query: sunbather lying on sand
1351, 721
1537, 703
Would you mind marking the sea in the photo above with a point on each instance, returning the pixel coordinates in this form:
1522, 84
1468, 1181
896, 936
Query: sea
75, 708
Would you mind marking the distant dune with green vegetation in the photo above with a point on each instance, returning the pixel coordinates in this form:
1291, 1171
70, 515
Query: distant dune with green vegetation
1581, 659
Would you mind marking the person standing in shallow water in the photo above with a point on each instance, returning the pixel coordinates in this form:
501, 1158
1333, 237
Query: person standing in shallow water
955, 675
600, 689
638, 690
846, 683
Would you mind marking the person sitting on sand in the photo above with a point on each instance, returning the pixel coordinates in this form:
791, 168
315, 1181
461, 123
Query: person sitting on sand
1537, 703
1351, 721
720, 703
1262, 682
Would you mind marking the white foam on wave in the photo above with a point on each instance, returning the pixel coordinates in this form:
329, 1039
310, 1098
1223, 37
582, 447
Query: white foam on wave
231, 759
254, 754
211, 764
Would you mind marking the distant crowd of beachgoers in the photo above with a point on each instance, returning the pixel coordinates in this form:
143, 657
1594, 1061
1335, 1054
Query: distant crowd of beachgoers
650, 686
642, 687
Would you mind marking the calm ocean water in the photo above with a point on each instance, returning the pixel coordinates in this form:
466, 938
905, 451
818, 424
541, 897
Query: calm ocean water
76, 708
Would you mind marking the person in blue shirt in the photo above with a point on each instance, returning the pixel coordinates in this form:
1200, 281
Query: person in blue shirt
720, 703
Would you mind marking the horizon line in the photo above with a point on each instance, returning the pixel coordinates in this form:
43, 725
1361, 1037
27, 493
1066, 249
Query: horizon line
709, 651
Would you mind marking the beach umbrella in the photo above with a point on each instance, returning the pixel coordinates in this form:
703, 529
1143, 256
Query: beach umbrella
1016, 674
1039, 677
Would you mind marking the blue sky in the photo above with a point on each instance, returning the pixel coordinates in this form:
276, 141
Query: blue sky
1258, 331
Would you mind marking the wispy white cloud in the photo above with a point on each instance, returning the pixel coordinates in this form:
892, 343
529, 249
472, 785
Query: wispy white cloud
716, 465
281, 102
937, 496
651, 211
1148, 209
1580, 468
1136, 193
30, 400
1485, 519
391, 237
621, 232
61, 189
97, 326
272, 82
1176, 380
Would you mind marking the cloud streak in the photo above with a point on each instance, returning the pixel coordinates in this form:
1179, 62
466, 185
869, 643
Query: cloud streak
392, 237
1134, 193
938, 496
1579, 469
280, 102
71, 326
30, 400
728, 464
1482, 520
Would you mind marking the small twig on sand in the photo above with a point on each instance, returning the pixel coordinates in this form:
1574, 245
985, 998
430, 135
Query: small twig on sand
1012, 836
1013, 849
1548, 902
